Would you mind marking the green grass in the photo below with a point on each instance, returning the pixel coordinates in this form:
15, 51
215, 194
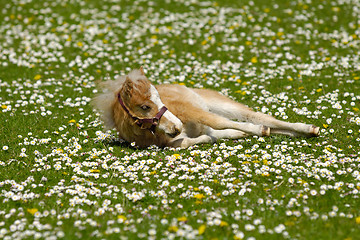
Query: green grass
62, 176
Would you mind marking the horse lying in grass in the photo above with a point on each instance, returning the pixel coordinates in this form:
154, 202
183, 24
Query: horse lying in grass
177, 116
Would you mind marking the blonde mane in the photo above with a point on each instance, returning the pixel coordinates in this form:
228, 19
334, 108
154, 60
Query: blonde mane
104, 100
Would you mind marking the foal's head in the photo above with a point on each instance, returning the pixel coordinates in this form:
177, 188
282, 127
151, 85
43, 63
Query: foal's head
141, 101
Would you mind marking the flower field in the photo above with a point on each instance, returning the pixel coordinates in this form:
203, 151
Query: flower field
62, 176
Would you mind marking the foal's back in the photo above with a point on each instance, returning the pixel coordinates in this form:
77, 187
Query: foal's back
180, 99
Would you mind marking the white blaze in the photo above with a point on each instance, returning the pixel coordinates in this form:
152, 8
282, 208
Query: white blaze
155, 98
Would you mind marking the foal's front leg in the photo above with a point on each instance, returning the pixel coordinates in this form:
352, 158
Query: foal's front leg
211, 136
184, 141
226, 134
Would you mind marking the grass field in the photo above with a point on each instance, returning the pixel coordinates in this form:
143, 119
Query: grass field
63, 177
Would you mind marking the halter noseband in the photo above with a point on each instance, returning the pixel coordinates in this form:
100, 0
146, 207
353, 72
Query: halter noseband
140, 121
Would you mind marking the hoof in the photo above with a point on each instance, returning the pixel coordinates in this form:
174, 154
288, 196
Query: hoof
314, 131
265, 131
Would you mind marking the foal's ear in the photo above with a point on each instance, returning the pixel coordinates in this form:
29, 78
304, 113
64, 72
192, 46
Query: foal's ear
142, 71
128, 85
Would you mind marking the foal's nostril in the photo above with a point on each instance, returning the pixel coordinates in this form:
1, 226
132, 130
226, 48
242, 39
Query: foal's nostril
175, 132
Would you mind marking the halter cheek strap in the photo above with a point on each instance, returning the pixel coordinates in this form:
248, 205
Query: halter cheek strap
141, 121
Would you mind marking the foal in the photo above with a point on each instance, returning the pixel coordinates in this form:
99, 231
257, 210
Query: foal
177, 116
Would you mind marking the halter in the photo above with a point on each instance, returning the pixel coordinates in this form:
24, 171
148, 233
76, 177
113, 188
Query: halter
140, 121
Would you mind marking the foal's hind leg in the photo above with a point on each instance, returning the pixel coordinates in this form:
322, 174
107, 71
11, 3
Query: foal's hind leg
228, 108
280, 127
217, 122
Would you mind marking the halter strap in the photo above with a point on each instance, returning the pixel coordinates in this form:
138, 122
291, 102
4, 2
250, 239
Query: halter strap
140, 121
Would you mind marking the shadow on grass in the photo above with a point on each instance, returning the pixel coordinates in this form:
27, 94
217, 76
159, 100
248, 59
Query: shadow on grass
121, 143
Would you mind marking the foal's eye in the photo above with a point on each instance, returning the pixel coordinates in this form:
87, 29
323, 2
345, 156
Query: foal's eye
145, 107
